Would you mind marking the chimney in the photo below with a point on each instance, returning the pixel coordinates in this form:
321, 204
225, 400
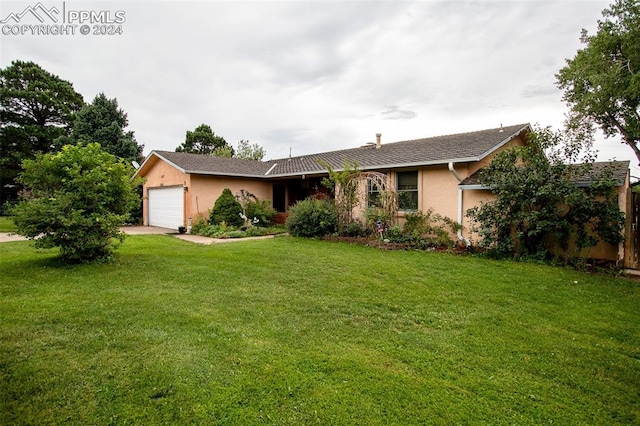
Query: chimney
378, 143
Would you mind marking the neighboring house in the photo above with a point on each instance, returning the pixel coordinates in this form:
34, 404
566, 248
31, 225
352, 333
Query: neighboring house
428, 174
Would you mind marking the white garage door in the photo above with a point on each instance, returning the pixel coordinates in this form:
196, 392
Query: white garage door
166, 207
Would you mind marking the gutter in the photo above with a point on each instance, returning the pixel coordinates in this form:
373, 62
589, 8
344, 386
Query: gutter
459, 179
380, 166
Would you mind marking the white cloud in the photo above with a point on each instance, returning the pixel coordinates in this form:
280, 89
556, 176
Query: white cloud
312, 76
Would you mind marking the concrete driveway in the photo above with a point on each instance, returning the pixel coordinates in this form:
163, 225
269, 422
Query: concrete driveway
146, 230
150, 230
6, 237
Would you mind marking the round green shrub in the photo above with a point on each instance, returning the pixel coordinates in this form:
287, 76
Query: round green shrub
77, 200
312, 218
226, 209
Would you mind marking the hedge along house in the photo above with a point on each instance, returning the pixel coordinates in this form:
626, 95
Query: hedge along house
427, 173
619, 171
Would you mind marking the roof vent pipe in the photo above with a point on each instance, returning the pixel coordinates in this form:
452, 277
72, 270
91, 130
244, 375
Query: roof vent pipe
378, 143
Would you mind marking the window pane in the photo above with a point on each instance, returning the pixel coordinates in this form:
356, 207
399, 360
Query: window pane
407, 190
374, 199
374, 196
407, 180
408, 200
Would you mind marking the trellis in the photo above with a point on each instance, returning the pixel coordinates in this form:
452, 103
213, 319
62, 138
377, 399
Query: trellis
347, 186
388, 194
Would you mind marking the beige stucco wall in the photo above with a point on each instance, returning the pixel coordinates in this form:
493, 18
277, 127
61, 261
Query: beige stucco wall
613, 252
160, 174
472, 198
204, 191
438, 187
438, 190
475, 166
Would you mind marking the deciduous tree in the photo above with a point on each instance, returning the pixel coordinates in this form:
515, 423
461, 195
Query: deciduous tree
225, 151
248, 151
601, 83
76, 199
539, 210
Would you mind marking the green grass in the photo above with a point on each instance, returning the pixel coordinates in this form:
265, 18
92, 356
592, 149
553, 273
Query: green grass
291, 331
6, 224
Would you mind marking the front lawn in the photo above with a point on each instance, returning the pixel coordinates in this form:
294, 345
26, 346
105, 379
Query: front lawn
6, 224
292, 331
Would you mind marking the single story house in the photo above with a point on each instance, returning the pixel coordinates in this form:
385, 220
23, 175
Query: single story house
432, 173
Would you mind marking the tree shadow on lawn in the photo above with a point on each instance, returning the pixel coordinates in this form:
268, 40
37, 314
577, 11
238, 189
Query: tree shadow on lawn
47, 258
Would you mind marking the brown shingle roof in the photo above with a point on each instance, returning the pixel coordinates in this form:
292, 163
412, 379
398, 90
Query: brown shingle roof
210, 164
471, 146
462, 147
618, 169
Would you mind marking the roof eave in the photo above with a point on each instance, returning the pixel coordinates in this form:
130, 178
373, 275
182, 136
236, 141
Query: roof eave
383, 166
505, 141
585, 184
422, 163
169, 161
152, 154
474, 186
240, 175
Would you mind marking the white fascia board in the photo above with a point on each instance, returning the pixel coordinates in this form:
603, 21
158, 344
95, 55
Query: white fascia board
422, 163
504, 142
171, 163
242, 175
146, 160
384, 166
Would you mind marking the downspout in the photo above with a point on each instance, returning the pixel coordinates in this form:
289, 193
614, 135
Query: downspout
459, 179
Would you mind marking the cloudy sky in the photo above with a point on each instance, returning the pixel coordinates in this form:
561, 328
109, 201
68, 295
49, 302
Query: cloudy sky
311, 76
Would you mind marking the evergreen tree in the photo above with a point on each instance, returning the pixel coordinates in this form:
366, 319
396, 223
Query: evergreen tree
36, 107
103, 122
226, 209
202, 141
